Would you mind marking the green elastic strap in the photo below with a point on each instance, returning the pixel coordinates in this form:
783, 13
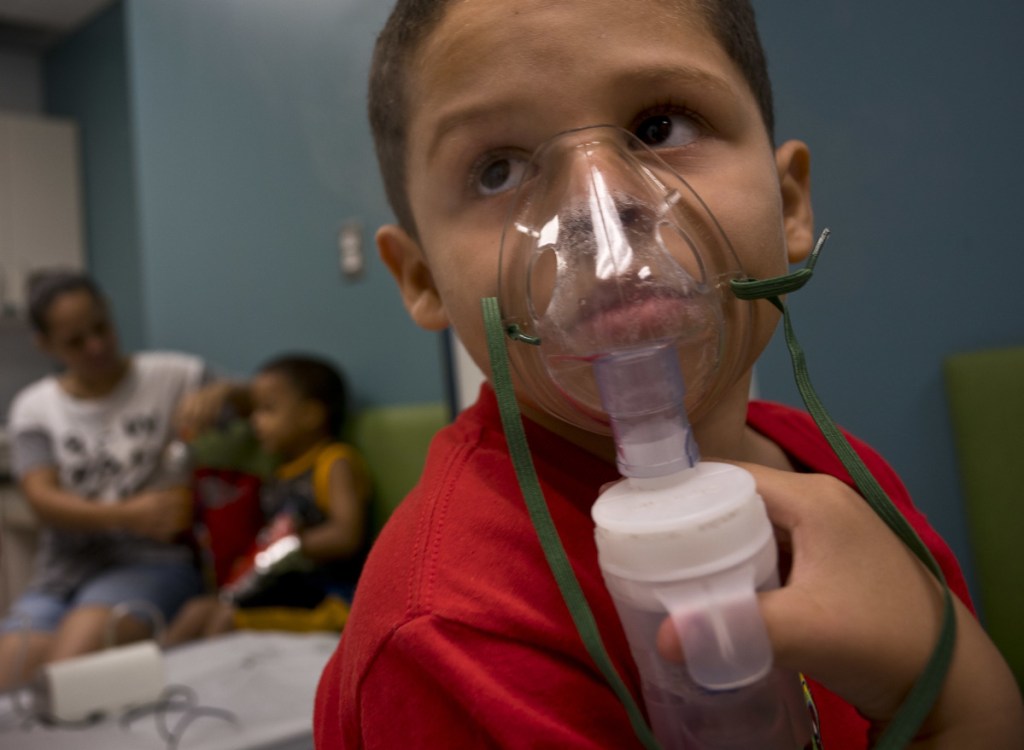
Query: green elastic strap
545, 526
923, 695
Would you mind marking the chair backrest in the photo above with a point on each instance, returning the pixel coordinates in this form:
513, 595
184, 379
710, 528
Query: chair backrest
985, 391
394, 440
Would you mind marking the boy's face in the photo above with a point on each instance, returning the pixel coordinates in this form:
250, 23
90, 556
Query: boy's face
496, 80
281, 418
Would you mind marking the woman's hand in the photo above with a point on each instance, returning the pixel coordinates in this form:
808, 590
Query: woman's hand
200, 410
158, 514
861, 615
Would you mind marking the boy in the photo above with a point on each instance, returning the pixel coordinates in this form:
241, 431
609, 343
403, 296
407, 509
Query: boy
317, 497
459, 636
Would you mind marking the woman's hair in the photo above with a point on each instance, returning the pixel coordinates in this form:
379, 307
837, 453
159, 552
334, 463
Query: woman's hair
44, 287
315, 379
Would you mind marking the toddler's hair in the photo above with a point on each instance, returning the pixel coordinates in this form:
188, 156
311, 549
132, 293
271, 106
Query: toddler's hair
44, 287
412, 21
318, 380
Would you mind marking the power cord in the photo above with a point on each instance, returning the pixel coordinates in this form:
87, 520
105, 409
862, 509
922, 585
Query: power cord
176, 699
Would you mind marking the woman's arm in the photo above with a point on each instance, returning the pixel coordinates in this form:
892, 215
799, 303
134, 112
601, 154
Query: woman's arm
158, 514
200, 409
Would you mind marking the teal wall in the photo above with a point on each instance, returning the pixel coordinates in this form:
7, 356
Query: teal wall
912, 112
87, 79
244, 122
250, 148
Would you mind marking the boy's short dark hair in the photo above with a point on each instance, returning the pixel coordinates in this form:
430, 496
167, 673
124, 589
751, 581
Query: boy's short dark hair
411, 22
44, 287
315, 379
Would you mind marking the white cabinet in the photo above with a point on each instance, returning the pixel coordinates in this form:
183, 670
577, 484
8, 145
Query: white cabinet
41, 216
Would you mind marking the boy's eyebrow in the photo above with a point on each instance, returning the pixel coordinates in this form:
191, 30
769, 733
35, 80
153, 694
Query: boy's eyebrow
464, 115
663, 74
629, 79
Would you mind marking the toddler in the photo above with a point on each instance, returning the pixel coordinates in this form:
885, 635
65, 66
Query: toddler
311, 549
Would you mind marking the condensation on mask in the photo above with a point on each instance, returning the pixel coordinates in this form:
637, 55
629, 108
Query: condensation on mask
607, 249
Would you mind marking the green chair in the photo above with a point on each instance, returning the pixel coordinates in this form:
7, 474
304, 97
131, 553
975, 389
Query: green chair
394, 440
985, 391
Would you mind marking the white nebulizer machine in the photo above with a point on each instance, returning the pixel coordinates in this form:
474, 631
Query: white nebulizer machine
614, 281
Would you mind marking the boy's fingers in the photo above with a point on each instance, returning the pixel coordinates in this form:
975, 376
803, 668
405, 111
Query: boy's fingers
780, 490
667, 641
785, 618
791, 622
817, 518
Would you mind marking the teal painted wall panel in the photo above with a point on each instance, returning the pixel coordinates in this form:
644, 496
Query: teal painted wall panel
86, 78
253, 149
912, 113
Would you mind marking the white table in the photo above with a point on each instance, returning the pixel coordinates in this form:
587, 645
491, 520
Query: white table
266, 680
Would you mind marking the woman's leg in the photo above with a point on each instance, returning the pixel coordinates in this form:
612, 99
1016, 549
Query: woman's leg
125, 604
85, 629
191, 622
26, 636
21, 654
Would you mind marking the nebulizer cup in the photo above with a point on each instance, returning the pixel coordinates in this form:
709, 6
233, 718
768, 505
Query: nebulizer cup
614, 288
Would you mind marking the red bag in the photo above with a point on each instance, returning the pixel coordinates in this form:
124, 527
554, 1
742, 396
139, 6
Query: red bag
228, 518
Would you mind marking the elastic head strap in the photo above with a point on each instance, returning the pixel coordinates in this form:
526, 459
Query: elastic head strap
544, 525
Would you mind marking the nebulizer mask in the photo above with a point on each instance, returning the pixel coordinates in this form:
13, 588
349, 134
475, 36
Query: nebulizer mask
623, 309
607, 252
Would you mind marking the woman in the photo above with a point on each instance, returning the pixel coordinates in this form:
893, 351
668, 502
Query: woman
87, 449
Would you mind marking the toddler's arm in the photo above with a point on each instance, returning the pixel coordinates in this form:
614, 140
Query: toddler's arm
342, 533
861, 615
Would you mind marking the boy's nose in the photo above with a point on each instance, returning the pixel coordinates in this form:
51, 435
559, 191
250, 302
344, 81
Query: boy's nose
602, 178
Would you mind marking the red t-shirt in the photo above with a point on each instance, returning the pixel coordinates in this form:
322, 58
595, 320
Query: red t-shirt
459, 636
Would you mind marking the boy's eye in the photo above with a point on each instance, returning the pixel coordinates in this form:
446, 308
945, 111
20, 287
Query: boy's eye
667, 130
499, 174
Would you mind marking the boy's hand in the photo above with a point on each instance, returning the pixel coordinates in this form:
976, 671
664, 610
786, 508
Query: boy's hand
158, 514
861, 615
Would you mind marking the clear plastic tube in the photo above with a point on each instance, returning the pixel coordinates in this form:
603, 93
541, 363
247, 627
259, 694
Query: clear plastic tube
642, 393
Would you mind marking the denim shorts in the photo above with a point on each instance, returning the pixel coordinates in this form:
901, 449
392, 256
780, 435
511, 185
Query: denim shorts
166, 586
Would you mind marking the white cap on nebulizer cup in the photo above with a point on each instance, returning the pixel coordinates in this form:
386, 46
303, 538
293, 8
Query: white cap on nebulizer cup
696, 545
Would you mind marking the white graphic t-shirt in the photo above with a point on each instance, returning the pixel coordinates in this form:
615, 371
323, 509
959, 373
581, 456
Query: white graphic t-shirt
106, 450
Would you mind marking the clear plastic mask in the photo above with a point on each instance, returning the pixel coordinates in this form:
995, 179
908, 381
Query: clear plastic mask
607, 250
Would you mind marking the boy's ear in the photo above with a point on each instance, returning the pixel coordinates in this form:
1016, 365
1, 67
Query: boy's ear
793, 162
407, 263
